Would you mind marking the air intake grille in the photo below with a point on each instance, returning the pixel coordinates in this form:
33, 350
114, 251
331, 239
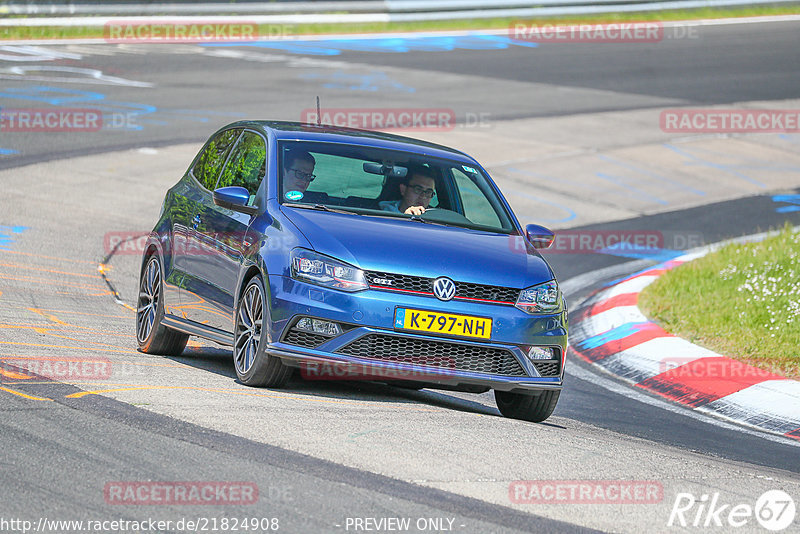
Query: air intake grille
304, 339
441, 354
548, 368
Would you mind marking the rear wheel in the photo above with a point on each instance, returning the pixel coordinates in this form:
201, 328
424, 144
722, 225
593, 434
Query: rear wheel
254, 366
152, 336
535, 408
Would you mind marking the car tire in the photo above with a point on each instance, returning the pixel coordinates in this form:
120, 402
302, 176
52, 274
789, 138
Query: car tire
153, 337
254, 366
535, 408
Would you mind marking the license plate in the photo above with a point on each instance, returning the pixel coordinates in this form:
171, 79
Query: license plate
443, 323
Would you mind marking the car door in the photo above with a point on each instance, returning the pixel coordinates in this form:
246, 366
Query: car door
220, 235
189, 246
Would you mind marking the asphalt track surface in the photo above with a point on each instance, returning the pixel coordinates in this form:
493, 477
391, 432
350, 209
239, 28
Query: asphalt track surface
57, 456
709, 65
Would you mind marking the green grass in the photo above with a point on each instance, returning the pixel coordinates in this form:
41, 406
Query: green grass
742, 301
62, 32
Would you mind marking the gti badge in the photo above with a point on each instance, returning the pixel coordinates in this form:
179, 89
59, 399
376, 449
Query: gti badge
444, 288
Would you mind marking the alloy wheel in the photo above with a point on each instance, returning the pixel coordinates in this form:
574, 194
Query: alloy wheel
248, 328
149, 295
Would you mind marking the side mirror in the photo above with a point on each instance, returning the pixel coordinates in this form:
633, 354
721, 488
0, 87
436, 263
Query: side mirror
234, 198
539, 236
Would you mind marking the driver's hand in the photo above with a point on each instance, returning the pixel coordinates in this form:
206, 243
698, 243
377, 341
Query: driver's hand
415, 210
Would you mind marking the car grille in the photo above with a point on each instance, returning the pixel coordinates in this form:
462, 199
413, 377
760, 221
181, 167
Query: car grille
548, 368
304, 339
442, 354
420, 284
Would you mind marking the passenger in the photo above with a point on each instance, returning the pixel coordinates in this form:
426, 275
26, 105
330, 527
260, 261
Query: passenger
298, 171
417, 193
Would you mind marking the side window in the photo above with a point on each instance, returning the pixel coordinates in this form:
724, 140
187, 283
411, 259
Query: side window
247, 164
476, 206
207, 168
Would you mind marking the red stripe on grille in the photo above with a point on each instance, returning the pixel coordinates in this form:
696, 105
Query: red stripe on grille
402, 290
388, 288
484, 300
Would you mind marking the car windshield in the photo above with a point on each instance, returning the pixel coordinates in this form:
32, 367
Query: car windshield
388, 183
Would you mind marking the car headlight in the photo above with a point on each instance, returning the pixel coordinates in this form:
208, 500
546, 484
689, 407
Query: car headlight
542, 298
322, 270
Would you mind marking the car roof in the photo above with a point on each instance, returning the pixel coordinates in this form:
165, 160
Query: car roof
298, 131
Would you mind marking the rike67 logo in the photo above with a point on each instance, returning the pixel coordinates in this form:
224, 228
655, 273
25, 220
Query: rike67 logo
774, 510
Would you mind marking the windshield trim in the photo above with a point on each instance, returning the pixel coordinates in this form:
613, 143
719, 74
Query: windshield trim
507, 222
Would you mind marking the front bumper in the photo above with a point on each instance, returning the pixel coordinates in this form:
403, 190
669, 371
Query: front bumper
369, 315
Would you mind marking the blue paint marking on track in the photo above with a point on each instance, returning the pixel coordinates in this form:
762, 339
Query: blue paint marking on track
8, 151
650, 173
136, 114
792, 200
757, 165
615, 334
7, 233
393, 45
55, 96
638, 192
730, 169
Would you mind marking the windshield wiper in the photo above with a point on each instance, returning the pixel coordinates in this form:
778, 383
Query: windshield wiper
320, 207
428, 221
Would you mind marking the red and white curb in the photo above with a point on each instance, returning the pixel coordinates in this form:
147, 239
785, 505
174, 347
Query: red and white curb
613, 334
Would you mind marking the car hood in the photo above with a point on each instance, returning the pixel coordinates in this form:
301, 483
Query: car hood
404, 246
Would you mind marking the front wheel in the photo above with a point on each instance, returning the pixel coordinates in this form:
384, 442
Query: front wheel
254, 366
152, 336
535, 408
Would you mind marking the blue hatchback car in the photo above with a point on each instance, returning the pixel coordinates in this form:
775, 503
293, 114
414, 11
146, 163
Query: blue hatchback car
352, 254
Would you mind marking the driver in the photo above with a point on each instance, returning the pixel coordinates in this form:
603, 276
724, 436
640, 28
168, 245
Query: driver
417, 193
298, 172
